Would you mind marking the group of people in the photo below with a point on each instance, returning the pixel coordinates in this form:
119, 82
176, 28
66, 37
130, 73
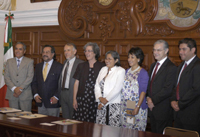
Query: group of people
106, 93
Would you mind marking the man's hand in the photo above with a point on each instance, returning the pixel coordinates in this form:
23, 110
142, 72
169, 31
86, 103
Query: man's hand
53, 100
38, 99
150, 103
17, 91
15, 95
175, 106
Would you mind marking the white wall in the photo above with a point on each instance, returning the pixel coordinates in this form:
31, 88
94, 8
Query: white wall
22, 5
29, 14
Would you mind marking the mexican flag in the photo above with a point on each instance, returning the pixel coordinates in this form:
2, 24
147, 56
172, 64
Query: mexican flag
8, 53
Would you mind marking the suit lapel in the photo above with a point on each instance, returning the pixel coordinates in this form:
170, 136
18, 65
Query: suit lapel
189, 66
14, 62
41, 68
161, 68
53, 66
22, 64
151, 69
73, 69
179, 69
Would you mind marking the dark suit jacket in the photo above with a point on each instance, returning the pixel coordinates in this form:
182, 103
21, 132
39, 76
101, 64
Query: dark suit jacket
82, 72
72, 80
162, 87
189, 93
49, 88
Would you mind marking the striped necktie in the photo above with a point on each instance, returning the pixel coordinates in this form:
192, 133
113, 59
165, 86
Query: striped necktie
18, 63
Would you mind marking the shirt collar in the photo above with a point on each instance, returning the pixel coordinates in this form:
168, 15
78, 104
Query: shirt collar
113, 68
19, 58
49, 63
162, 60
72, 60
190, 60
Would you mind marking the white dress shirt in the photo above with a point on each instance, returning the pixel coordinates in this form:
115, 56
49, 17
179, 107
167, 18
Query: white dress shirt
48, 69
161, 62
112, 86
13, 88
186, 62
71, 63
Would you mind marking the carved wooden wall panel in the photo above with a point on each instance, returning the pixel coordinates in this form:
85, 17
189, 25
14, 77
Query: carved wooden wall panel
118, 25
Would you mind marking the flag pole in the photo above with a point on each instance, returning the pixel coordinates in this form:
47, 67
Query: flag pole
8, 53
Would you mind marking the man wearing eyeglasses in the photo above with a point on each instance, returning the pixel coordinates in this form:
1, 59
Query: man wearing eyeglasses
161, 82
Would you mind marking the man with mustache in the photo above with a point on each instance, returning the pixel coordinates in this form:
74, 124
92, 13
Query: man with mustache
45, 83
18, 77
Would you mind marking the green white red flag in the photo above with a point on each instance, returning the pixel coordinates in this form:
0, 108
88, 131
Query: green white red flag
8, 53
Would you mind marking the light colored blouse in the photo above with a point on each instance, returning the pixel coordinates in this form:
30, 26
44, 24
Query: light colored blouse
112, 86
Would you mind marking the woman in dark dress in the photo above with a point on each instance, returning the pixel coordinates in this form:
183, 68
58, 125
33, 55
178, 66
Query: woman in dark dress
85, 75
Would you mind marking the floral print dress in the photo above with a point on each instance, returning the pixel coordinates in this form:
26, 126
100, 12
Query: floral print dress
130, 91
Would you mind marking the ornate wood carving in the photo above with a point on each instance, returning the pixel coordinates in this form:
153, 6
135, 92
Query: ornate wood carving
118, 26
123, 16
155, 30
106, 27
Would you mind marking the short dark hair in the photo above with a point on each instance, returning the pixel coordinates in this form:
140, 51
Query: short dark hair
24, 46
191, 43
95, 49
71, 44
52, 50
138, 53
115, 55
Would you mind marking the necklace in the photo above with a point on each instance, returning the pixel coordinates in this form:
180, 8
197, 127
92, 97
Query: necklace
135, 69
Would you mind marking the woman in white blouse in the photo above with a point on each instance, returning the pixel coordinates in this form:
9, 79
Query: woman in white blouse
108, 89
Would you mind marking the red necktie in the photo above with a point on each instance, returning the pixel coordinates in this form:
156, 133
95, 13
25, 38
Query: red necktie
154, 73
177, 87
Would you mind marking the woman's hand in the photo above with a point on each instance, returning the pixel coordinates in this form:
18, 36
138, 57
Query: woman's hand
103, 100
75, 105
135, 111
100, 106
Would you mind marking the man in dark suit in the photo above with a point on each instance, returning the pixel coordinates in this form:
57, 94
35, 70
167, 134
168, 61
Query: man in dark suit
66, 82
45, 83
186, 96
161, 82
18, 77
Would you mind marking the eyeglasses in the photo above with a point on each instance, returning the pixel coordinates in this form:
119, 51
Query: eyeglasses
158, 50
88, 51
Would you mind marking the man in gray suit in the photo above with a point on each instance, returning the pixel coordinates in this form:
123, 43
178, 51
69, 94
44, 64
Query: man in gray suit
66, 82
18, 77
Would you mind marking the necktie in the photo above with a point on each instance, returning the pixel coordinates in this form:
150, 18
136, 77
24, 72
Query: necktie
177, 87
154, 73
65, 75
45, 71
18, 63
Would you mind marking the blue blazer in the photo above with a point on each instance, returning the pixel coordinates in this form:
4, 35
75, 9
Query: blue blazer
48, 88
